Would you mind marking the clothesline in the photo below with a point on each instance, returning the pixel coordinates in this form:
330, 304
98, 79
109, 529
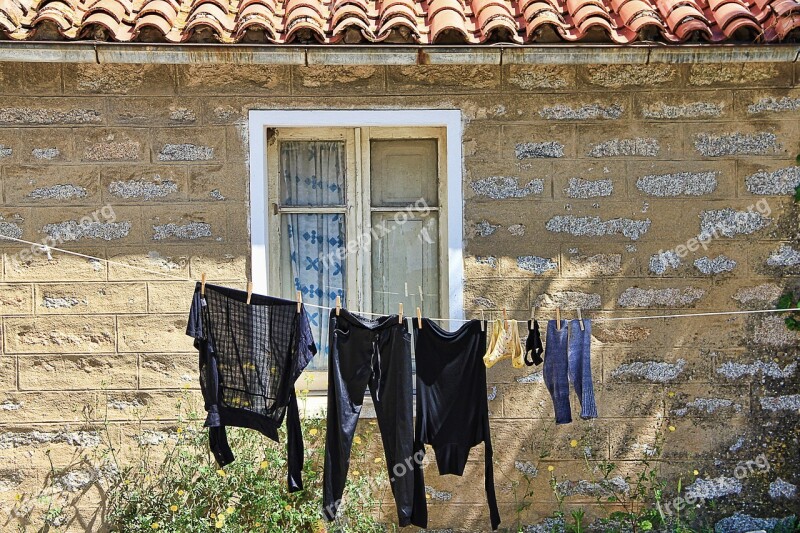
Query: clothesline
597, 319
47, 250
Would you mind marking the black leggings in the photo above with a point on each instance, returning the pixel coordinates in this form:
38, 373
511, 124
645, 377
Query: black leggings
375, 354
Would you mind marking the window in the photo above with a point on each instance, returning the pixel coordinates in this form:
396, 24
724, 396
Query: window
357, 211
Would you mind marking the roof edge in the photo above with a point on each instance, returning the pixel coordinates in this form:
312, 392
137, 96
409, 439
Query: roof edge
102, 52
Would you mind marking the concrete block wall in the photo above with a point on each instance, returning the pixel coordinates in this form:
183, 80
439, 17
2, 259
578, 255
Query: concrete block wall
577, 178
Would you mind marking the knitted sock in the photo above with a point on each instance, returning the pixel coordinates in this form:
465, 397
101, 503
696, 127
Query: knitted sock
580, 366
556, 366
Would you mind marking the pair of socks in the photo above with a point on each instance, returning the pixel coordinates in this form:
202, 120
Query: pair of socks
533, 344
567, 358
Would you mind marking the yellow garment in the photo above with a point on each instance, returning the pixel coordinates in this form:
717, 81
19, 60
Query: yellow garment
504, 344
497, 328
518, 353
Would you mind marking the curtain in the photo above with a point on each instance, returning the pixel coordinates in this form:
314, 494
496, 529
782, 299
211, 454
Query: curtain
313, 175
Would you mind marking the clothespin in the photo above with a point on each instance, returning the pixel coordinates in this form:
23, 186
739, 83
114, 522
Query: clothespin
401, 313
299, 300
338, 305
558, 318
203, 284
419, 318
580, 319
421, 297
249, 291
483, 321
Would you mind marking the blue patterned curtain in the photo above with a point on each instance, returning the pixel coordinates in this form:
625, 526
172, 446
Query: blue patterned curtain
313, 175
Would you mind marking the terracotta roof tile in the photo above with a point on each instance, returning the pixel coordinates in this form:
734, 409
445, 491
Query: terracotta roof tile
407, 21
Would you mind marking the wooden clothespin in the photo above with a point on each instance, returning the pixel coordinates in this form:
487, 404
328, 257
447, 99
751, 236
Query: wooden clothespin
338, 305
203, 284
419, 318
400, 314
580, 319
483, 321
299, 297
249, 291
558, 318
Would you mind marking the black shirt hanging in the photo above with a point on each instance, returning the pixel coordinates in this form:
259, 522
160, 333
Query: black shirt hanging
250, 357
452, 407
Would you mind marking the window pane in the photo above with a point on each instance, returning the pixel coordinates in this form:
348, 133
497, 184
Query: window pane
311, 262
403, 171
403, 254
312, 173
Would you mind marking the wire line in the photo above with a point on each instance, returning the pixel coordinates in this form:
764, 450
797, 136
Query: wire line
47, 249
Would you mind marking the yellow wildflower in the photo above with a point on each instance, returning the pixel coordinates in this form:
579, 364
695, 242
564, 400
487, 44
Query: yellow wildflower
155, 525
671, 394
181, 492
230, 510
221, 473
551, 468
378, 460
573, 443
213, 515
263, 465
179, 431
357, 439
671, 428
427, 496
313, 432
356, 472
219, 525
288, 507
18, 497
696, 473
173, 508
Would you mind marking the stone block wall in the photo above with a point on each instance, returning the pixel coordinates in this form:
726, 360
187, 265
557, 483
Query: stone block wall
579, 180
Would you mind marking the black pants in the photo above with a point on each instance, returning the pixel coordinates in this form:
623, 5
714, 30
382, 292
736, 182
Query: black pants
376, 354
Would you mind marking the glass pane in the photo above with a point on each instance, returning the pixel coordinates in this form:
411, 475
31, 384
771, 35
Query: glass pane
403, 172
405, 255
313, 262
312, 173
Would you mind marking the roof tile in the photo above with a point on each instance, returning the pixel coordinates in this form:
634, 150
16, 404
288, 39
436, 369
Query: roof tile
422, 22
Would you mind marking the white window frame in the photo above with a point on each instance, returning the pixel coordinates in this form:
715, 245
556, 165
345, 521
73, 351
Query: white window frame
450, 120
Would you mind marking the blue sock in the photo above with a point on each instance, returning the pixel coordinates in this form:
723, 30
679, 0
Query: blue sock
556, 366
580, 366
